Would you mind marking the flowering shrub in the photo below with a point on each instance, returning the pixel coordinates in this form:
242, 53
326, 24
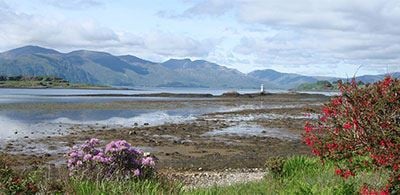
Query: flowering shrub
118, 160
360, 129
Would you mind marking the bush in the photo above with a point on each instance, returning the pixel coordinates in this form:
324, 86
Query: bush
13, 183
118, 160
359, 130
275, 166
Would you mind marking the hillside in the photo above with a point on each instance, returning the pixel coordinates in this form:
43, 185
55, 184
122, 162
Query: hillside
301, 82
283, 80
106, 69
101, 68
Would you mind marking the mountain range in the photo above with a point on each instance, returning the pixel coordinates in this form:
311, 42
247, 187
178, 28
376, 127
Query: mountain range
102, 68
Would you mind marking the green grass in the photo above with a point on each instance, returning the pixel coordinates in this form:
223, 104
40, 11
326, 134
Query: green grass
302, 175
298, 175
123, 187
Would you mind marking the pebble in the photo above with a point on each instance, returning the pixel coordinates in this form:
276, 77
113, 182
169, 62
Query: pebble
132, 133
219, 178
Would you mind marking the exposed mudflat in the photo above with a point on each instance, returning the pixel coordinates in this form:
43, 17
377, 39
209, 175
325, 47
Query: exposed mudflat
232, 133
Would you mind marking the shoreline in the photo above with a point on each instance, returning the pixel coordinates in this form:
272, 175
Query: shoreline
188, 145
196, 95
82, 88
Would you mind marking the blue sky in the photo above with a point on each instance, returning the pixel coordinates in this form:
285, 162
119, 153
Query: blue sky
311, 37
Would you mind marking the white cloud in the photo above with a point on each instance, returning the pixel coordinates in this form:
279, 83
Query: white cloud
20, 29
314, 32
288, 35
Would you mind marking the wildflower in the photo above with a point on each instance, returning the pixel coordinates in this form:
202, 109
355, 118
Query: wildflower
73, 154
117, 159
347, 125
338, 171
347, 174
87, 157
136, 172
308, 128
148, 161
337, 101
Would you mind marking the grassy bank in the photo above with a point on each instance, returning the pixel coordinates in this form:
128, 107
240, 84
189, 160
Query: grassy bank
301, 175
297, 175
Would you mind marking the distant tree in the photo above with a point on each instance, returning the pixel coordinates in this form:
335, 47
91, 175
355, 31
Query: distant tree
15, 78
325, 84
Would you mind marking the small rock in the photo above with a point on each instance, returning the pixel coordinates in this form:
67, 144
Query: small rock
132, 133
263, 131
146, 124
200, 169
26, 137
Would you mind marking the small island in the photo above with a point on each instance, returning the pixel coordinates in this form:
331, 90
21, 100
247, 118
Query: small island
40, 82
323, 86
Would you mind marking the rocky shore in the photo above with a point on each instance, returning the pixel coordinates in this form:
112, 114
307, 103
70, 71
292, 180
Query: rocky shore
212, 146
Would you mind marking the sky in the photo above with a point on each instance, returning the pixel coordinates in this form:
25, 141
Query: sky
309, 37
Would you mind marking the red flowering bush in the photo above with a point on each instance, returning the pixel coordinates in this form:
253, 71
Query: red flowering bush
360, 130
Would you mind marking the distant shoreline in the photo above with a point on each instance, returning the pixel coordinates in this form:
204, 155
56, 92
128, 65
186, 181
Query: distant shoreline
194, 95
83, 88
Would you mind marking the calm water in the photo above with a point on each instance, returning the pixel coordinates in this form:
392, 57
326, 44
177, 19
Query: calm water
37, 123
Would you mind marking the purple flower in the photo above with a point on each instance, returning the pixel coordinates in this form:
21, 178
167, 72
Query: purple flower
148, 162
135, 151
117, 159
73, 154
136, 172
87, 157
94, 141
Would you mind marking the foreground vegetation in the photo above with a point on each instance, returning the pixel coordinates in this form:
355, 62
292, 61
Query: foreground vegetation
300, 175
40, 82
295, 175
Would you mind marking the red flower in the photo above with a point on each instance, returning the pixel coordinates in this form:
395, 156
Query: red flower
308, 128
347, 125
387, 81
327, 111
337, 101
308, 141
347, 174
338, 171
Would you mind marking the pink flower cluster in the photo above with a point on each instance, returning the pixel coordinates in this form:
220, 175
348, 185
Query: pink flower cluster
117, 160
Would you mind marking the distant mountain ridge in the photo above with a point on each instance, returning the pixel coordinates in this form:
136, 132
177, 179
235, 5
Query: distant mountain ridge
292, 81
101, 68
93, 67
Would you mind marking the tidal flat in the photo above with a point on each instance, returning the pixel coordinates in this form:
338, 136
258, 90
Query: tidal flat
185, 133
